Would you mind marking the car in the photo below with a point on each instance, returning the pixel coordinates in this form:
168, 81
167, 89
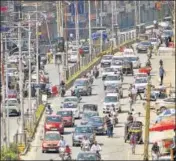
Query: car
73, 58
154, 41
116, 64
112, 79
134, 59
12, 107
106, 61
128, 51
67, 117
13, 101
87, 115
54, 123
83, 85
71, 99
144, 46
164, 104
107, 71
98, 124
12, 93
85, 49
80, 131
50, 142
141, 75
111, 99
141, 84
74, 107
87, 156
111, 88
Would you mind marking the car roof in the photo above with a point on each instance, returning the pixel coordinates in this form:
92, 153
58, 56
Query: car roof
81, 79
112, 94
118, 56
70, 97
111, 74
51, 132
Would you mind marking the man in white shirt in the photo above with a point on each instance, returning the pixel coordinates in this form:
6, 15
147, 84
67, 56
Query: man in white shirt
95, 147
133, 92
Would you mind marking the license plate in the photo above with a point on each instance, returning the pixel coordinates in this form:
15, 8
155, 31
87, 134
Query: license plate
54, 129
51, 149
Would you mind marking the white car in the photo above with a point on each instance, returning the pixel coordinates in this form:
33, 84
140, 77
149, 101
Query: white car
111, 99
141, 84
134, 59
141, 75
71, 99
106, 60
107, 71
128, 51
73, 58
117, 64
72, 106
112, 79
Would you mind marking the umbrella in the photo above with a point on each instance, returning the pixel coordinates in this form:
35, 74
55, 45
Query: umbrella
159, 136
166, 124
167, 113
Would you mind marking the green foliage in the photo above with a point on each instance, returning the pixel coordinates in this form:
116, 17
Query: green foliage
39, 111
10, 153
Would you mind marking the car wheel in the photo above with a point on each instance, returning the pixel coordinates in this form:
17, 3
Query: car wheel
43, 151
73, 144
162, 109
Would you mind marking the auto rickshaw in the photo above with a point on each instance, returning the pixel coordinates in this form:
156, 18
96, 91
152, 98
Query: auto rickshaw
134, 127
90, 107
127, 68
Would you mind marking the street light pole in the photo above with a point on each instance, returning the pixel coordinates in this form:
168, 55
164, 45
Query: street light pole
90, 31
29, 50
139, 15
37, 53
20, 80
101, 24
112, 27
7, 77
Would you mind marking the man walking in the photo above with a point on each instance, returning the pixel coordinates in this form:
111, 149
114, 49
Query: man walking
161, 74
133, 141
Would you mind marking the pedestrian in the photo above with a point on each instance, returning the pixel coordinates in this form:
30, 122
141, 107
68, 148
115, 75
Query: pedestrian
133, 93
112, 125
155, 151
138, 94
109, 126
161, 74
133, 140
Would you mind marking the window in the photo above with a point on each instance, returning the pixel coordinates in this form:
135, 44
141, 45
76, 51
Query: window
53, 119
109, 99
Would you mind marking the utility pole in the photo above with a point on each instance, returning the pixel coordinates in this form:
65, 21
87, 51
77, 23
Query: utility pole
37, 54
139, 15
135, 14
90, 31
101, 24
7, 88
21, 82
3, 119
147, 123
29, 50
77, 31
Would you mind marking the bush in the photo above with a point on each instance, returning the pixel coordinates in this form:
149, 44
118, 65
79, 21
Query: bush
39, 111
10, 153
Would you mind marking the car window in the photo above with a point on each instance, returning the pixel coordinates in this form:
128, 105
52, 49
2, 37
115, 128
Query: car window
87, 156
107, 57
112, 78
96, 120
53, 119
11, 101
51, 137
83, 130
131, 58
140, 81
80, 83
70, 99
69, 105
110, 99
89, 114
116, 62
145, 43
64, 113
108, 70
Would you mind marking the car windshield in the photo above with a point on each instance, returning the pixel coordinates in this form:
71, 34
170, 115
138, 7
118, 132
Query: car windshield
83, 130
153, 40
118, 58
116, 62
108, 70
107, 57
70, 99
11, 101
69, 105
110, 99
96, 120
86, 156
131, 58
51, 137
64, 113
87, 115
53, 119
12, 92
80, 83
112, 78
137, 81
145, 43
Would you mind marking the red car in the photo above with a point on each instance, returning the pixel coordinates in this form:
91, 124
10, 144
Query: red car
12, 94
67, 117
54, 123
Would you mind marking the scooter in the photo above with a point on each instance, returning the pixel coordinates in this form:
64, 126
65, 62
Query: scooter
63, 155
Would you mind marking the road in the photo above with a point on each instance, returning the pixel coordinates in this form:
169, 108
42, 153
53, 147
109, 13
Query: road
112, 148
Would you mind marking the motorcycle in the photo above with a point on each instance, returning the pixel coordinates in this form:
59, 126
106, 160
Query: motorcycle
63, 155
62, 91
148, 64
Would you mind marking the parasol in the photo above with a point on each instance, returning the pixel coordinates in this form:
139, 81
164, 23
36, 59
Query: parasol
166, 114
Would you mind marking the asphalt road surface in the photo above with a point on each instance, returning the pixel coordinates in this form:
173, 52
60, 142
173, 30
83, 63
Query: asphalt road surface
112, 148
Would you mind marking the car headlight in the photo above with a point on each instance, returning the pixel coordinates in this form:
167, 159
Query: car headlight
47, 126
45, 144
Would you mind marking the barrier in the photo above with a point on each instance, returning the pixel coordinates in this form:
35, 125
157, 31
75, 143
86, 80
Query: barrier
165, 51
